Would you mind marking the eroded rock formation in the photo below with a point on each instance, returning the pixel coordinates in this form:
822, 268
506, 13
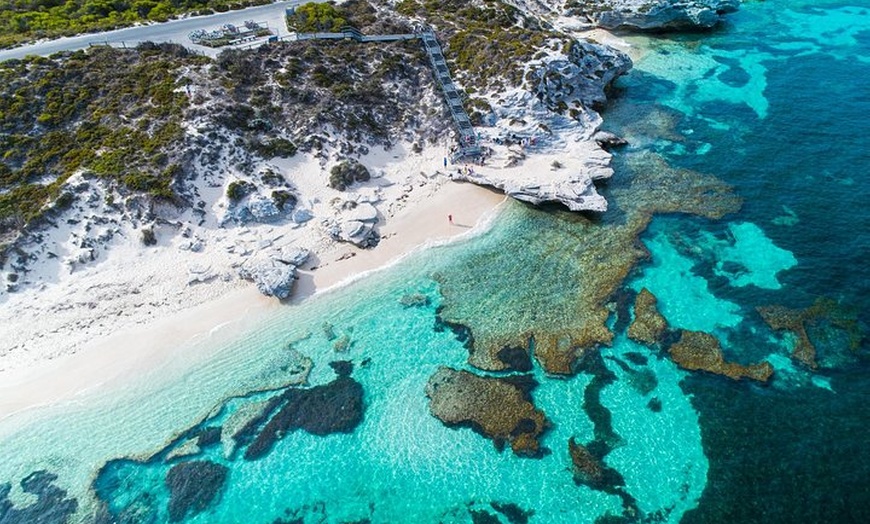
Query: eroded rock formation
701, 351
648, 324
497, 408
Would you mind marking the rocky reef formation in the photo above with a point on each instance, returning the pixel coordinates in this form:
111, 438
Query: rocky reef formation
648, 324
193, 486
50, 507
336, 407
274, 273
825, 315
557, 304
195, 464
653, 15
701, 351
498, 408
590, 470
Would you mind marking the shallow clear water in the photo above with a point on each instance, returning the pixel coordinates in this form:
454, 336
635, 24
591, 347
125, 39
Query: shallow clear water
773, 104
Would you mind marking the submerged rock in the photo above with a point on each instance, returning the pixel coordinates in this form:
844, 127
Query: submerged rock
415, 300
656, 15
336, 407
497, 408
558, 291
193, 486
50, 507
588, 470
701, 351
826, 320
648, 324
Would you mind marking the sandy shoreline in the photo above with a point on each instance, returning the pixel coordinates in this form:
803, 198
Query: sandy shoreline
111, 359
95, 307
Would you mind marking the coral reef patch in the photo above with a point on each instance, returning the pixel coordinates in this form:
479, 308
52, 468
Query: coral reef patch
825, 317
559, 307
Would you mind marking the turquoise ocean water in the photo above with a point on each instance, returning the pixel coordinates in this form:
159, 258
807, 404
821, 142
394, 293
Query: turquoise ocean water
775, 104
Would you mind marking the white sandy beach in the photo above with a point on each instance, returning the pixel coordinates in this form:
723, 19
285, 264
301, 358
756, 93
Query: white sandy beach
54, 363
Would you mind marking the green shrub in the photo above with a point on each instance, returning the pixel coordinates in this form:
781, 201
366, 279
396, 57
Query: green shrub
239, 189
277, 147
346, 173
284, 199
316, 17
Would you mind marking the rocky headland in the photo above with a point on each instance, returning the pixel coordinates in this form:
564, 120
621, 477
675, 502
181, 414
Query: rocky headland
653, 15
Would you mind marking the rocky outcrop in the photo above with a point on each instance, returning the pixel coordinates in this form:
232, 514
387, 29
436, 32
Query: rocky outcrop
577, 192
193, 486
654, 15
581, 77
357, 226
701, 351
498, 408
609, 141
274, 273
648, 324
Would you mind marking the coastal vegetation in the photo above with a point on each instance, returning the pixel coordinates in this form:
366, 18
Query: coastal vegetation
488, 43
347, 173
366, 93
122, 115
109, 113
313, 17
26, 20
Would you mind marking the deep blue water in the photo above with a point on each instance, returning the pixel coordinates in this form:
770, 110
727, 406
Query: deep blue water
797, 151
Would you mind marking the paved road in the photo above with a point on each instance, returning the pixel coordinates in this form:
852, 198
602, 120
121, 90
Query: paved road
172, 31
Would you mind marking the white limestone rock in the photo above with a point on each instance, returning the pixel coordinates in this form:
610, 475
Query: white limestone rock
274, 273
580, 77
363, 212
360, 234
576, 192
